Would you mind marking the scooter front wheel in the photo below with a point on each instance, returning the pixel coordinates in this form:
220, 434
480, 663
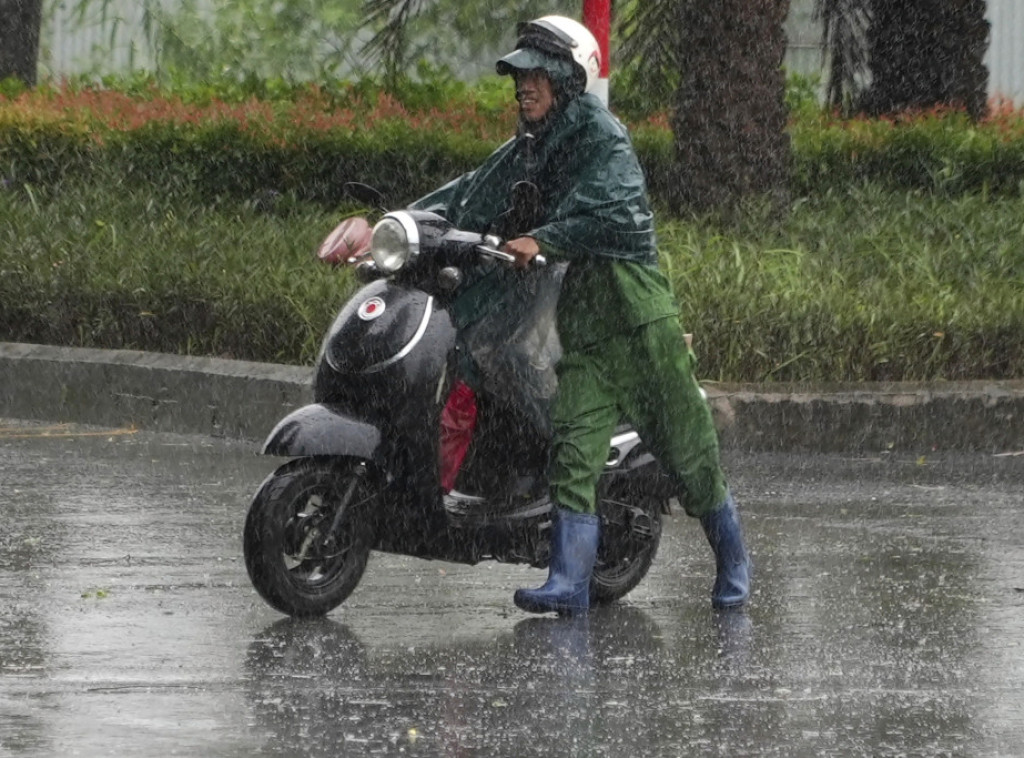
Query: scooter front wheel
308, 534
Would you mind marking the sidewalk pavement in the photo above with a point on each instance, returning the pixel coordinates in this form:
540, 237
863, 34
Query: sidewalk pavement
242, 399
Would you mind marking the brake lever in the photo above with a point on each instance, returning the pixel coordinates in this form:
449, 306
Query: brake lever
537, 260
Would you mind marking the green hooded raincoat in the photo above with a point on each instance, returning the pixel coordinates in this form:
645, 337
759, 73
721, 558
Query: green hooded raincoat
617, 318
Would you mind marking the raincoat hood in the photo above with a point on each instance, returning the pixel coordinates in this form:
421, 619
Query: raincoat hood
593, 193
593, 211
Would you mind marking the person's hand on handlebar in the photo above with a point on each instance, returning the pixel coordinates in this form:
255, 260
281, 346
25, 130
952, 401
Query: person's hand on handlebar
525, 249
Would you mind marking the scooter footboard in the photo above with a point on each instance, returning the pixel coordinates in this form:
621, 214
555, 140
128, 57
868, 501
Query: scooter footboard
323, 429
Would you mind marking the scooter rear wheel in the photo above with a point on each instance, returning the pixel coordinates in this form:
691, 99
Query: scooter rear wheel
308, 535
630, 535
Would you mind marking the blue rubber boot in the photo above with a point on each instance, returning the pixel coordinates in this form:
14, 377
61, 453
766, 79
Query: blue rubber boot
732, 564
574, 539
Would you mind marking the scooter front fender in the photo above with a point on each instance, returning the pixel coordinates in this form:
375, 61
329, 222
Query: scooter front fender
323, 429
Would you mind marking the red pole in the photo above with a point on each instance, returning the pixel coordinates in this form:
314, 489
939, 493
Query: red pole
597, 17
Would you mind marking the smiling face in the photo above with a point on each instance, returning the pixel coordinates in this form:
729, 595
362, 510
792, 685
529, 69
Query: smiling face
535, 94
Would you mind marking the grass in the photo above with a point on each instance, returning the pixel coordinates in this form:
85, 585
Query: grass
864, 285
131, 268
868, 284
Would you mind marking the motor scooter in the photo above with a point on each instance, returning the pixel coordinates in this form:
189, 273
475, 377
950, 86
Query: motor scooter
363, 473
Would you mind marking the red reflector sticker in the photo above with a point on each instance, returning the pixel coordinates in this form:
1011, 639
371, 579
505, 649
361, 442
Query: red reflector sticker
371, 309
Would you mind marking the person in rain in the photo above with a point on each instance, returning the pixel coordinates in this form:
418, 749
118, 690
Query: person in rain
623, 351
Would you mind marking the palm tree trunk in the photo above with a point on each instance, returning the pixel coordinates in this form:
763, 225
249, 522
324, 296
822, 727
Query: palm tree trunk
924, 53
20, 21
729, 114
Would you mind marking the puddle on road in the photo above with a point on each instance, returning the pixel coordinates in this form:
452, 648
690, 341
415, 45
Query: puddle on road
887, 619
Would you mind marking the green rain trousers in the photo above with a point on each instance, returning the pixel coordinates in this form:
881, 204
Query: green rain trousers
644, 376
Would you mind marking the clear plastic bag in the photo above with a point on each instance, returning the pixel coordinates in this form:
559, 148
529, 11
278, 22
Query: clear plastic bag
516, 346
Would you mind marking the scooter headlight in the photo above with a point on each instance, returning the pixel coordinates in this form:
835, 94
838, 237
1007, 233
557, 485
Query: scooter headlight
395, 241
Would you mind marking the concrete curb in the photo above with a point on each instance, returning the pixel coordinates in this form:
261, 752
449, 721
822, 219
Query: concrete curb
241, 399
152, 391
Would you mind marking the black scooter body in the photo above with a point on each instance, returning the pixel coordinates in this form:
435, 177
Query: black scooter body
383, 375
380, 384
377, 378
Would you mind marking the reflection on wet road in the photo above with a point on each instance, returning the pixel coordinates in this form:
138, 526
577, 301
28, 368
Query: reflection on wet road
888, 619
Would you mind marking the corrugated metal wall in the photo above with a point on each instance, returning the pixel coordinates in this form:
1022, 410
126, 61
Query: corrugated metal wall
109, 39
803, 52
1005, 56
69, 47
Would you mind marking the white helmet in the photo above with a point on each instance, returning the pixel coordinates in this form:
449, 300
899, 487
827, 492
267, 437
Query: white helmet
565, 38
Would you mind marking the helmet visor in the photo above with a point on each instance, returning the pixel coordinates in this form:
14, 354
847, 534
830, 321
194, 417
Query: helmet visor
523, 59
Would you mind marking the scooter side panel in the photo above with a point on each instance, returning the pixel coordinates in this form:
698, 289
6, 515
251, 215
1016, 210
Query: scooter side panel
321, 429
630, 460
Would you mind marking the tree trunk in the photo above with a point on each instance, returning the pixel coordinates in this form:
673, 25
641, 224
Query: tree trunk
20, 21
924, 53
729, 114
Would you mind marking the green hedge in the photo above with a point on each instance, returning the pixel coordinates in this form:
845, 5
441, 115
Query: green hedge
939, 151
293, 149
223, 160
141, 222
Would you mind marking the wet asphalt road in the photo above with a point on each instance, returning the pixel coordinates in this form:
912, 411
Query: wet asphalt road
888, 619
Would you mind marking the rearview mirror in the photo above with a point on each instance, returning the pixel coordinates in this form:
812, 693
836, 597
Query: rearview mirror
364, 193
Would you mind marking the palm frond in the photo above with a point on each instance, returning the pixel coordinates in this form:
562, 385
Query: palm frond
390, 19
844, 47
651, 39
649, 32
